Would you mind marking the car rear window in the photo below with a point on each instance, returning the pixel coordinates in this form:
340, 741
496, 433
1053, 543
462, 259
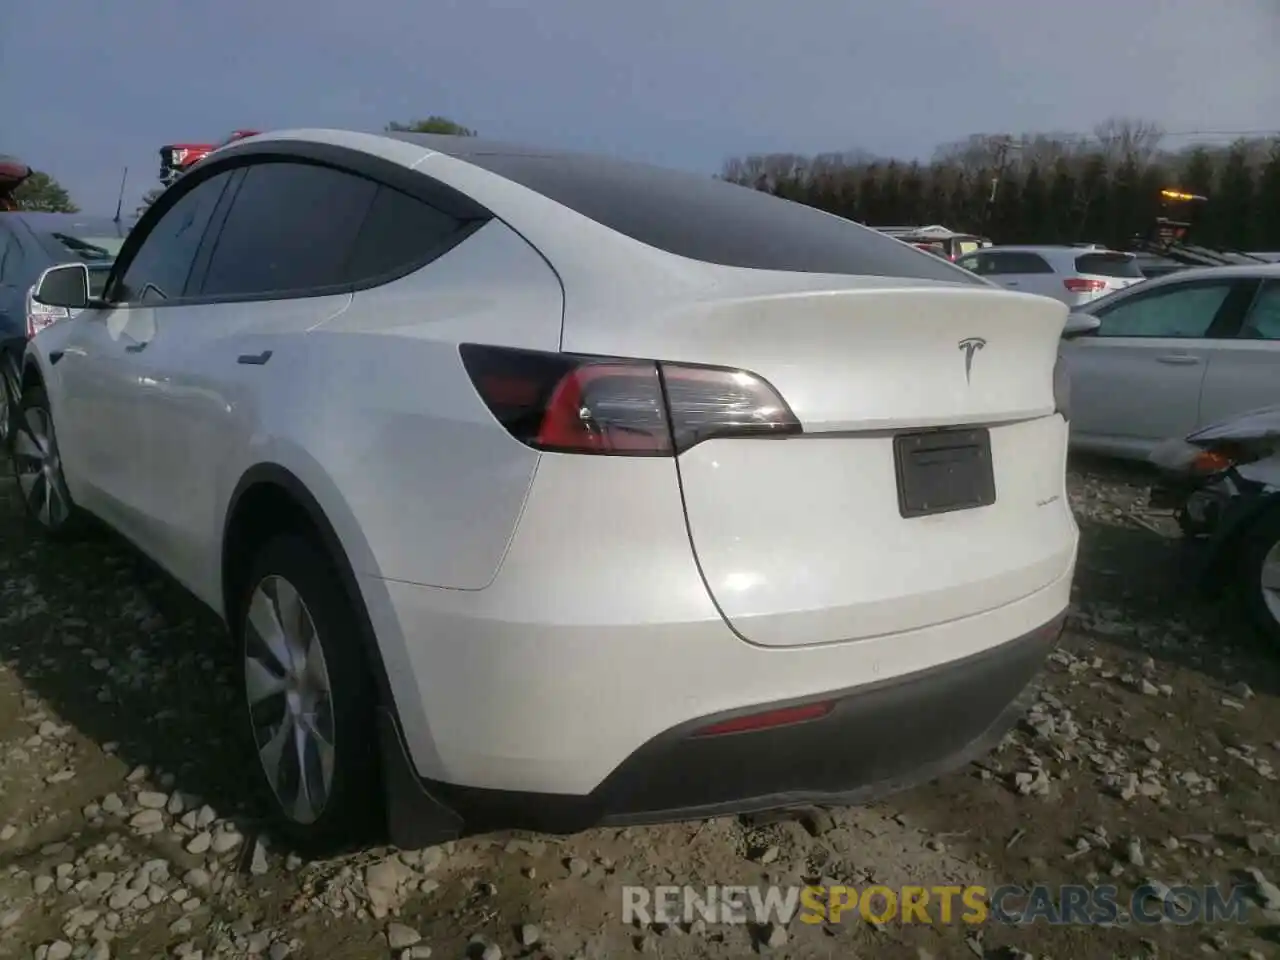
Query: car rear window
1120, 265
711, 220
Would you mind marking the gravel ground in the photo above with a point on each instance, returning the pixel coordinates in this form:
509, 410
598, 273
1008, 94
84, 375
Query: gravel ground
125, 830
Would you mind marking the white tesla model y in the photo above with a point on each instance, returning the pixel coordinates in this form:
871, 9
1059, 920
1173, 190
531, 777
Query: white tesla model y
544, 490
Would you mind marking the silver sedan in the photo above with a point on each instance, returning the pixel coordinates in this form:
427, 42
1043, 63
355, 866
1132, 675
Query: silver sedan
1169, 355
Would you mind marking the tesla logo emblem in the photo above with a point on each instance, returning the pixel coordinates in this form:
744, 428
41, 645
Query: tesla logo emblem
970, 346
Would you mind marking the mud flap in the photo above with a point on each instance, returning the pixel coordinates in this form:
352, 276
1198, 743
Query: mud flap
415, 819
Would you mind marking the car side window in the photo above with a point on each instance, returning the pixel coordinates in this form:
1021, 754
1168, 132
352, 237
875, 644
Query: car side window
970, 263
291, 229
161, 265
1263, 322
399, 232
1029, 263
994, 264
1181, 311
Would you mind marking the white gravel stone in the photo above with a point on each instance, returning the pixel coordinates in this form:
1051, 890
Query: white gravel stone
147, 821
400, 936
152, 800
225, 841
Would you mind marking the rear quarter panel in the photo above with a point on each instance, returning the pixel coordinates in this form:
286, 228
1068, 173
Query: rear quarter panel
386, 408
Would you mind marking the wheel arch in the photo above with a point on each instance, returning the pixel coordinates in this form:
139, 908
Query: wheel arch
270, 499
31, 372
415, 818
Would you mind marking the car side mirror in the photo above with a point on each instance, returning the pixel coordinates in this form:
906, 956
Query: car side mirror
66, 286
1080, 325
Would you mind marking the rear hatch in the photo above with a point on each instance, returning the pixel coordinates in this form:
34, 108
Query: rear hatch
1112, 269
928, 484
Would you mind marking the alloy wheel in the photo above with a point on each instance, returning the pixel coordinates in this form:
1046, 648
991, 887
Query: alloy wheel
1270, 581
286, 682
39, 469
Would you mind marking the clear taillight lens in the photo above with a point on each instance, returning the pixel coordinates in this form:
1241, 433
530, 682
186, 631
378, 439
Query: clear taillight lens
40, 315
620, 407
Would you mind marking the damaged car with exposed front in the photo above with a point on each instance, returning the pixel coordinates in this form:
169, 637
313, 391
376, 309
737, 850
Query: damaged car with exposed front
1222, 485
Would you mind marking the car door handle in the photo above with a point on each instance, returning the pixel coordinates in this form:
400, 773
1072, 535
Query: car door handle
135, 347
1178, 359
1011, 283
256, 359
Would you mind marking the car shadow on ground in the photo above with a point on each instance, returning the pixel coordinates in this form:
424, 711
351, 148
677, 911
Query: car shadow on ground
126, 656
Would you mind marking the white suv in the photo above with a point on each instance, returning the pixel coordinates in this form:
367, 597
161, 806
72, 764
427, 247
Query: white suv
531, 499
1073, 275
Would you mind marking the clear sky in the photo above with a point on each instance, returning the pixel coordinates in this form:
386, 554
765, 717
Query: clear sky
94, 85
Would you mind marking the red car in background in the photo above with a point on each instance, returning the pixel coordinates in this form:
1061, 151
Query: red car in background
12, 173
177, 158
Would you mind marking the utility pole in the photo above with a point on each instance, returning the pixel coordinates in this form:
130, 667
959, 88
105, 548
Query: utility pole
1003, 148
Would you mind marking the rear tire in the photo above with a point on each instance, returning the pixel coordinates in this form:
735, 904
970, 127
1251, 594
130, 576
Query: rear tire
37, 466
10, 392
1258, 575
309, 697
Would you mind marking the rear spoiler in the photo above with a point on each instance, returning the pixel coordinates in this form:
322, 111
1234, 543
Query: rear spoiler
12, 173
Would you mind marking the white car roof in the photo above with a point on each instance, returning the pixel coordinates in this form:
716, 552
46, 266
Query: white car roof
1050, 249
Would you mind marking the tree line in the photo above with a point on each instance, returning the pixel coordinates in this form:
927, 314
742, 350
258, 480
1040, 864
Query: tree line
1043, 188
1102, 187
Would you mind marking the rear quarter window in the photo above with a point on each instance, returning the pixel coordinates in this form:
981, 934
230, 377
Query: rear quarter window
399, 232
1117, 265
714, 221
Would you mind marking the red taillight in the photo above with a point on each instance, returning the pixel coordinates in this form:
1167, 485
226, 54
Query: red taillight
603, 405
770, 718
1213, 461
1082, 285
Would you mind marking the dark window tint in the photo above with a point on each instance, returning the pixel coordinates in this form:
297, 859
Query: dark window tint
1263, 322
399, 232
712, 220
291, 228
1186, 310
160, 266
1015, 262
1109, 265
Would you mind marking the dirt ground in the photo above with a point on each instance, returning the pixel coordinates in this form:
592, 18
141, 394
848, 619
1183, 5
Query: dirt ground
126, 827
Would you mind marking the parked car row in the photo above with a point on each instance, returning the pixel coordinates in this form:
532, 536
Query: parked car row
468, 444
1073, 275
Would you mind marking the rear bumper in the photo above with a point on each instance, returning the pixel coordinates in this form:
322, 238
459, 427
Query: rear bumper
879, 738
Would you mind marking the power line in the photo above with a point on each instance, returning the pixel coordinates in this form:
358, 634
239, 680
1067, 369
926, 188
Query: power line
1163, 135
1223, 133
